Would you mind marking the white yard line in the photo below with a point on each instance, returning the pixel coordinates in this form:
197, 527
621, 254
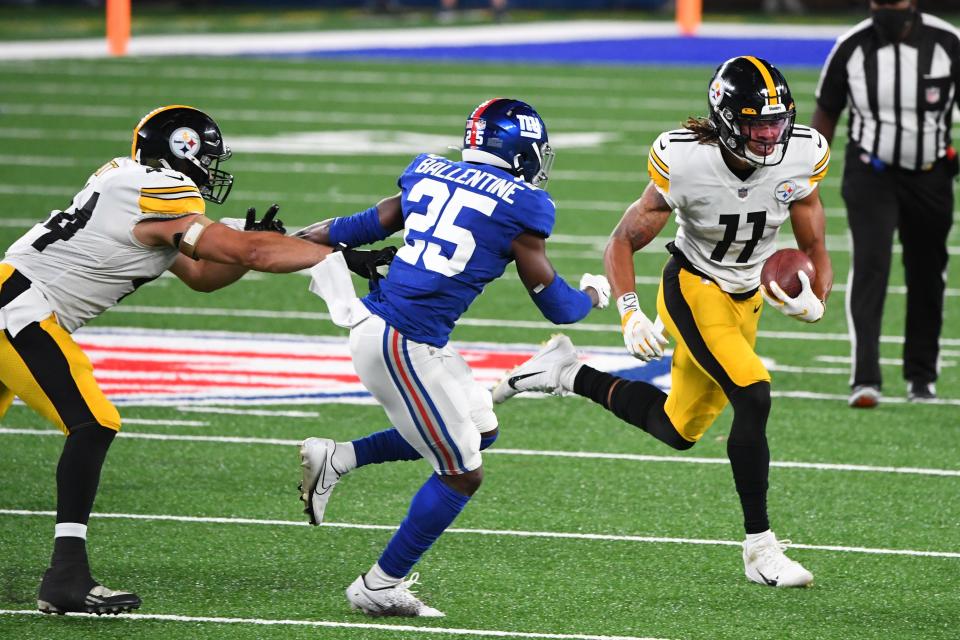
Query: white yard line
390, 628
245, 412
291, 117
593, 455
595, 244
203, 93
166, 423
493, 532
597, 80
481, 322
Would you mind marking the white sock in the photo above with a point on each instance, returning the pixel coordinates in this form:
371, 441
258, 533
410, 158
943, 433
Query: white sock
344, 458
376, 578
755, 537
568, 375
70, 530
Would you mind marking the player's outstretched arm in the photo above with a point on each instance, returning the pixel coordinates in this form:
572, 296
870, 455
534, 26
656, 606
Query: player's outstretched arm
206, 275
376, 223
558, 301
640, 224
201, 239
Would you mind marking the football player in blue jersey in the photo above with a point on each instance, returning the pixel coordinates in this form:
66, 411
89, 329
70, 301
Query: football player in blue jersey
463, 223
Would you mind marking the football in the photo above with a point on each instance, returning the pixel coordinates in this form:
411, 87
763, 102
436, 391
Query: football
783, 266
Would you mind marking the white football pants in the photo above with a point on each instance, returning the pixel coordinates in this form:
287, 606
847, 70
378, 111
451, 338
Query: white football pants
429, 394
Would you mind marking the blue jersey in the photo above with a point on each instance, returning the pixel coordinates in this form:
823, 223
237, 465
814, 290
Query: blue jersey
459, 222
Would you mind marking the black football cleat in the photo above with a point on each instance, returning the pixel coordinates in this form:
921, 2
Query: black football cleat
76, 592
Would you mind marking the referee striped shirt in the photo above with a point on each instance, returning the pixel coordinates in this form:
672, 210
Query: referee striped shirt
900, 94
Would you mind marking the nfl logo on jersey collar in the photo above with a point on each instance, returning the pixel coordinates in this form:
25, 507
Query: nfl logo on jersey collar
742, 192
784, 190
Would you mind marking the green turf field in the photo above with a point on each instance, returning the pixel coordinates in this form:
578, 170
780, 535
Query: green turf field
862, 517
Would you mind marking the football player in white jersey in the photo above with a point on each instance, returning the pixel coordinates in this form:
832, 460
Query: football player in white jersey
136, 217
733, 179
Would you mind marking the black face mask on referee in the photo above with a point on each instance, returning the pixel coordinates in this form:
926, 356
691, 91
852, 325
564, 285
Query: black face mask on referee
893, 24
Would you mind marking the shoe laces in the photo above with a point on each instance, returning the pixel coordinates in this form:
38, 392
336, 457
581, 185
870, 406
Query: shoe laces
408, 582
772, 553
401, 595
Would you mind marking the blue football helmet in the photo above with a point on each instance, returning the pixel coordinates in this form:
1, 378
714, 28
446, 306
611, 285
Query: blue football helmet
511, 135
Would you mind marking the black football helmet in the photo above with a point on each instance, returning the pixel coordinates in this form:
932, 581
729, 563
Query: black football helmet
509, 134
186, 140
752, 108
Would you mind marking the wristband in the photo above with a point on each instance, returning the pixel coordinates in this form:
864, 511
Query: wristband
628, 303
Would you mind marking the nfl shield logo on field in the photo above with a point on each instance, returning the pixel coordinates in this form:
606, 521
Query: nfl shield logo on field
933, 95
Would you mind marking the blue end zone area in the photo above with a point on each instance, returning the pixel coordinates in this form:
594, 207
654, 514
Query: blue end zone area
653, 50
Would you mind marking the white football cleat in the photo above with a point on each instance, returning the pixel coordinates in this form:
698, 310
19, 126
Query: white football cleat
319, 476
397, 600
541, 372
765, 563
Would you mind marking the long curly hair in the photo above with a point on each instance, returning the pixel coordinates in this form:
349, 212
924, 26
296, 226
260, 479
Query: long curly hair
703, 127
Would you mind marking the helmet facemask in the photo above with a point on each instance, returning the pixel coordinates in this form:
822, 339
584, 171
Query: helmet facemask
761, 139
536, 170
219, 182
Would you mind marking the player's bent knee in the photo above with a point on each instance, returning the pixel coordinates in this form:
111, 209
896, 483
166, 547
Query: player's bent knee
751, 407
465, 483
754, 398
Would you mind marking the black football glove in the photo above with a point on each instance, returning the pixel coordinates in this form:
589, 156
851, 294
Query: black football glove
268, 223
364, 262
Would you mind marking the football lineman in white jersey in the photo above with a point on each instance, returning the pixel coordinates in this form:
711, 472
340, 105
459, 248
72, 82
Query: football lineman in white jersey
136, 217
733, 179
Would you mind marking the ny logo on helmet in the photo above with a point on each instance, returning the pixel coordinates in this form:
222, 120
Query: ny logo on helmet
530, 126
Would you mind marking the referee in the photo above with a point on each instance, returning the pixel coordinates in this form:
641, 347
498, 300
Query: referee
898, 73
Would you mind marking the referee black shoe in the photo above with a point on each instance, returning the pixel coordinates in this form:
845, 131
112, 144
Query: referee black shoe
70, 589
921, 391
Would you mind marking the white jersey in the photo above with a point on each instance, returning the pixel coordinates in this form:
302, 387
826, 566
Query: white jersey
728, 226
85, 259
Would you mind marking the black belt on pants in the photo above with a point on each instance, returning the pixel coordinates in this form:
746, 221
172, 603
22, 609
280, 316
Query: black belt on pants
686, 265
12, 287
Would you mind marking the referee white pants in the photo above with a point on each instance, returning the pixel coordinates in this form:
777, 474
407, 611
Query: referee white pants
429, 394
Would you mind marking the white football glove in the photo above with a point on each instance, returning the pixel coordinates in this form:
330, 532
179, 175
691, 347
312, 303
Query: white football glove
643, 339
598, 284
806, 306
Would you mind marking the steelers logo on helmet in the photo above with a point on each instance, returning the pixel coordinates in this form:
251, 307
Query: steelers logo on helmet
785, 190
716, 91
185, 143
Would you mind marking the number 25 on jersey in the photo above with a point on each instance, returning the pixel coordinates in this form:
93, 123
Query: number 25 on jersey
439, 222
